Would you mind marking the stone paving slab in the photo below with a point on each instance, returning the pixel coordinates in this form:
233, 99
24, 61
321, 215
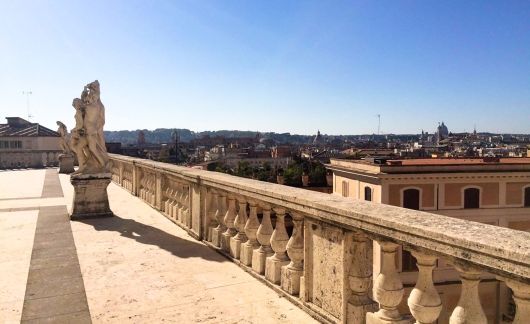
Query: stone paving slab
137, 267
22, 184
54, 287
52, 185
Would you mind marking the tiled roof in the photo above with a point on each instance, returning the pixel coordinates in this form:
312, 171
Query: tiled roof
24, 128
456, 161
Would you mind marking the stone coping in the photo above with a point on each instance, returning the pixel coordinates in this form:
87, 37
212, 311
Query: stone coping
499, 250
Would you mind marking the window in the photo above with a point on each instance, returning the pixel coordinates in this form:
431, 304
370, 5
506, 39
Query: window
527, 197
367, 193
408, 262
345, 191
472, 198
411, 199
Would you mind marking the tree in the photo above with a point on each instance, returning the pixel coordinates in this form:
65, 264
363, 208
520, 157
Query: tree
293, 175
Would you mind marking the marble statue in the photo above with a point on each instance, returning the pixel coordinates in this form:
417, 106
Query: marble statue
88, 141
66, 159
90, 181
64, 140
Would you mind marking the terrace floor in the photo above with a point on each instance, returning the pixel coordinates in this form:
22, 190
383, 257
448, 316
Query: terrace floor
136, 267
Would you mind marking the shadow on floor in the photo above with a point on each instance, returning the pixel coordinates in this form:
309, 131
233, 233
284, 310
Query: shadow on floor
147, 234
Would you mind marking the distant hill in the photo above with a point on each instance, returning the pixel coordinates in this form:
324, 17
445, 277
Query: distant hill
163, 135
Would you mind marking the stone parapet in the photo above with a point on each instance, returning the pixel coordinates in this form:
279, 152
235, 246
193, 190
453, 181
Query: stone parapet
317, 247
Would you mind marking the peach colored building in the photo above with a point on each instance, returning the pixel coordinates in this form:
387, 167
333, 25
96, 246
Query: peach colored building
489, 190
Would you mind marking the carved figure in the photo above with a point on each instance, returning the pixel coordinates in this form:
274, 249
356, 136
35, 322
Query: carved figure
88, 141
64, 141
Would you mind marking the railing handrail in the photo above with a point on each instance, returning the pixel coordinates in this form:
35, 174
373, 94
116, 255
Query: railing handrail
498, 250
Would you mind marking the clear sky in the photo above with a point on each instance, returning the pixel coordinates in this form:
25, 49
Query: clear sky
284, 66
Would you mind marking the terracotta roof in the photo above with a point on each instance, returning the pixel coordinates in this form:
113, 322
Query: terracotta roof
20, 127
470, 161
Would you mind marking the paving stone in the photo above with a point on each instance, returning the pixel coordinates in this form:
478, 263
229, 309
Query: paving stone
54, 306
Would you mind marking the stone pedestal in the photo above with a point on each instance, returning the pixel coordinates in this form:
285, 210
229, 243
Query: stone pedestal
217, 235
273, 269
235, 246
291, 279
259, 257
90, 196
66, 163
247, 251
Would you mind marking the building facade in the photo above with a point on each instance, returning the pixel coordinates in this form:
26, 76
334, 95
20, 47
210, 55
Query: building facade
27, 145
492, 191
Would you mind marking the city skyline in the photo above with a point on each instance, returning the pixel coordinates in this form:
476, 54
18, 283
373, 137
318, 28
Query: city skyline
275, 66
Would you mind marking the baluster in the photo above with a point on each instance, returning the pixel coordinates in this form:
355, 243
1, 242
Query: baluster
264, 233
360, 279
167, 200
174, 203
424, 301
180, 199
142, 183
292, 272
185, 215
521, 297
229, 219
251, 230
239, 223
219, 215
279, 241
388, 288
468, 309
212, 209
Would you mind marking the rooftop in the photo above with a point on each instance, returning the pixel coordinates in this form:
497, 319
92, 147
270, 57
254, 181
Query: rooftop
17, 126
434, 165
134, 267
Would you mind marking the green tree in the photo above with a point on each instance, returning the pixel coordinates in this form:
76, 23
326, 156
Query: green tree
293, 175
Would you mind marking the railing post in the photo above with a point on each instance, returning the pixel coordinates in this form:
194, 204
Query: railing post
424, 301
217, 233
239, 223
360, 279
196, 209
264, 234
230, 216
158, 190
121, 174
212, 209
251, 230
468, 309
388, 288
292, 272
521, 296
279, 241
135, 179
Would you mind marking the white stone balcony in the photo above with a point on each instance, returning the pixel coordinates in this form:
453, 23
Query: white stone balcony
325, 264
313, 250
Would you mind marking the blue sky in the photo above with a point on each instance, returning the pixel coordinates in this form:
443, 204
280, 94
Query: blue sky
284, 66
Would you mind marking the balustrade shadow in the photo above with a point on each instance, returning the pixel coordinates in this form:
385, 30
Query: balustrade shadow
150, 235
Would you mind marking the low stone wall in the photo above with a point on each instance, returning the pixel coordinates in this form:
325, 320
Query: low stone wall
316, 248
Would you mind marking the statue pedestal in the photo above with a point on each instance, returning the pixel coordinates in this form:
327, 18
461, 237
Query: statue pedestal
66, 163
90, 196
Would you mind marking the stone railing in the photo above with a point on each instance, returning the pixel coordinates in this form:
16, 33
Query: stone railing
317, 249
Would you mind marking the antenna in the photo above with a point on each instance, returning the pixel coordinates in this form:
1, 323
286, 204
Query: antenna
379, 124
28, 93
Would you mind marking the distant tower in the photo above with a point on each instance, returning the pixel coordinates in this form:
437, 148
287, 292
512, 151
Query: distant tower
27, 94
141, 138
175, 136
318, 139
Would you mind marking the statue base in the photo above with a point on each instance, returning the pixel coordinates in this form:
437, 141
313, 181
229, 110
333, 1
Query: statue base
90, 196
66, 163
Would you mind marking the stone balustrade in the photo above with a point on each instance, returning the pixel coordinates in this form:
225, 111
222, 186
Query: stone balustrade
318, 249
